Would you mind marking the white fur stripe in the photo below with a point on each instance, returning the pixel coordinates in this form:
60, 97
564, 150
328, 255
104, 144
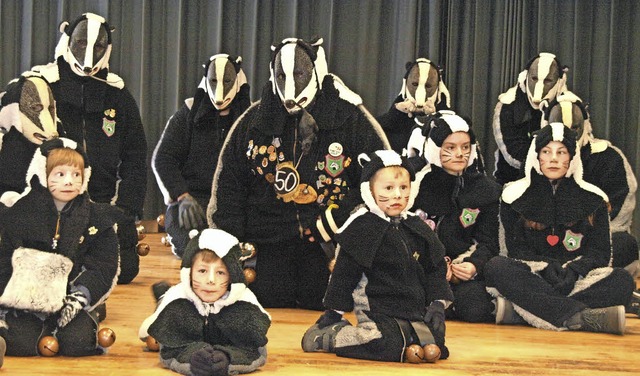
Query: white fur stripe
331, 221
544, 66
557, 131
217, 240
323, 232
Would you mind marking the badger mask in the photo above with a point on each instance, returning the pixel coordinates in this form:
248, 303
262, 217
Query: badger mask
297, 70
568, 109
543, 79
422, 84
85, 44
28, 105
223, 79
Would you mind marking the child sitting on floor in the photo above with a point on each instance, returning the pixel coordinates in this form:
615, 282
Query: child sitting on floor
58, 256
210, 323
390, 270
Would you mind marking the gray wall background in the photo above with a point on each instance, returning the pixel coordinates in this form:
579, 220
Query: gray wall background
160, 45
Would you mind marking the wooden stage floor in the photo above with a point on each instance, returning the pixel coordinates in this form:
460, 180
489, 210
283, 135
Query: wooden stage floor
476, 349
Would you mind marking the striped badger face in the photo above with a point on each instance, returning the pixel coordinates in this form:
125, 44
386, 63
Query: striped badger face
222, 80
89, 44
568, 109
28, 106
294, 74
421, 84
545, 79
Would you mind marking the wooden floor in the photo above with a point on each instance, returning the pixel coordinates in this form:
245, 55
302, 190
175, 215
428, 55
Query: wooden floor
476, 349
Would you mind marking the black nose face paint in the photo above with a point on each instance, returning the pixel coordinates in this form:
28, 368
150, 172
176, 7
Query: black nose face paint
88, 45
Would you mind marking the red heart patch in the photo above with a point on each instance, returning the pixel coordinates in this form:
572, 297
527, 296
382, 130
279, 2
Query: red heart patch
553, 239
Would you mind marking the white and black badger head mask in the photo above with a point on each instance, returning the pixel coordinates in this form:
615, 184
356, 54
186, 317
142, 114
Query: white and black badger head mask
223, 77
533, 80
85, 44
422, 84
28, 105
442, 124
297, 70
375, 161
567, 108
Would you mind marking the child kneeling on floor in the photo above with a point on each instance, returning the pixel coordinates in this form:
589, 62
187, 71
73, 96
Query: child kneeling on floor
210, 323
390, 270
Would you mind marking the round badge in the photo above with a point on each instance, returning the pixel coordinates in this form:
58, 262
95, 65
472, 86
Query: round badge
335, 149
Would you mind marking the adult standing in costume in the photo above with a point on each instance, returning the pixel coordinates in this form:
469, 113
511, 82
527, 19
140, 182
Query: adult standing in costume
286, 171
99, 113
517, 114
423, 92
187, 153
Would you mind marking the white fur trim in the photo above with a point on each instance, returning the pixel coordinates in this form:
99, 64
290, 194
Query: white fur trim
497, 134
217, 240
38, 281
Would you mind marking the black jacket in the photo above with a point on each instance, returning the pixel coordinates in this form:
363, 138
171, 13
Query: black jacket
465, 210
187, 153
106, 121
245, 202
16, 153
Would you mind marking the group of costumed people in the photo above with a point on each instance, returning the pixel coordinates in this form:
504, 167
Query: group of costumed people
393, 218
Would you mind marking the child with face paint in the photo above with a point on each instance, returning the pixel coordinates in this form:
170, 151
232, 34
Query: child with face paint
554, 270
210, 323
187, 153
606, 167
423, 92
461, 205
98, 112
58, 256
517, 116
390, 270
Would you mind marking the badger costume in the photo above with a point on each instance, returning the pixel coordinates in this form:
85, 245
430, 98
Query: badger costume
98, 112
40, 273
235, 324
399, 122
27, 118
464, 212
556, 235
517, 116
606, 167
388, 270
187, 153
288, 165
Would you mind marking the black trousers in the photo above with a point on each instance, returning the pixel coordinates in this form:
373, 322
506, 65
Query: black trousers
514, 280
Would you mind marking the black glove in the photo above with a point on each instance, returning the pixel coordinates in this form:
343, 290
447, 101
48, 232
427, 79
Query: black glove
434, 318
208, 361
72, 305
329, 317
190, 213
567, 283
554, 273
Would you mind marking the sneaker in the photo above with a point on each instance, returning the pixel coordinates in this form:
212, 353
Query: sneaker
159, 288
3, 350
634, 304
506, 314
316, 339
599, 320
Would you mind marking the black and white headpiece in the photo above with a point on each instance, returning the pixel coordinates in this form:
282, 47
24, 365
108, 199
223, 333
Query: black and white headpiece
544, 67
287, 49
424, 65
375, 161
566, 100
442, 124
87, 67
222, 95
553, 132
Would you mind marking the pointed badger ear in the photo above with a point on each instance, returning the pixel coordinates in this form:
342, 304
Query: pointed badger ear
64, 27
363, 159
